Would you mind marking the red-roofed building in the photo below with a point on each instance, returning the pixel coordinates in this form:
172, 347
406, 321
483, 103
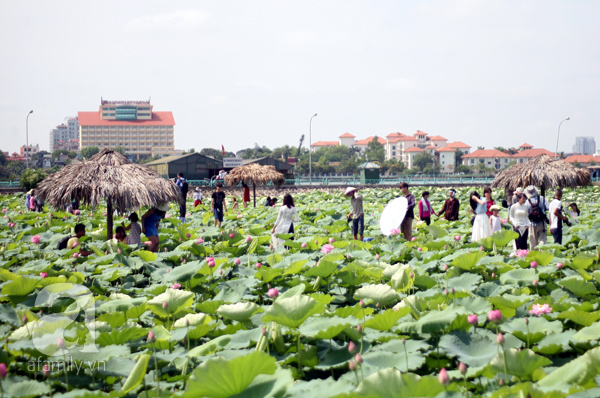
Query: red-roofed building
437, 141
525, 146
362, 144
446, 158
461, 146
130, 124
408, 156
583, 160
491, 158
347, 139
529, 153
323, 144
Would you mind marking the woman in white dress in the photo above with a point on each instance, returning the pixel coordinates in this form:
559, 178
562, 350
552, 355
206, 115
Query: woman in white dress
284, 223
481, 224
520, 221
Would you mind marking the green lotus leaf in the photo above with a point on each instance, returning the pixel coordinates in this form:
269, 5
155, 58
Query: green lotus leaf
239, 311
176, 300
473, 350
325, 327
323, 269
582, 261
292, 311
580, 317
586, 334
192, 320
518, 363
468, 260
137, 374
387, 319
504, 237
539, 328
294, 291
382, 294
401, 279
555, 343
28, 388
434, 321
542, 258
519, 277
392, 383
20, 286
577, 286
221, 378
581, 371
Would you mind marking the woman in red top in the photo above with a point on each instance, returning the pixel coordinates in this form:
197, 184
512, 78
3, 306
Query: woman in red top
425, 210
487, 192
246, 194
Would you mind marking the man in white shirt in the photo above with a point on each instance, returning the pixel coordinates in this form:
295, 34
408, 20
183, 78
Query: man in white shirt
556, 217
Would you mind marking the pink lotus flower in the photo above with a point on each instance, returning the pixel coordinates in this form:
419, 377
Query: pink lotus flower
232, 235
273, 293
361, 303
351, 347
258, 265
358, 359
35, 239
445, 267
351, 366
237, 261
394, 232
44, 274
3, 371
326, 249
540, 309
522, 253
199, 241
168, 216
46, 370
443, 377
4, 210
535, 282
500, 338
473, 319
248, 239
559, 265
151, 337
462, 368
303, 245
188, 235
75, 255
165, 305
147, 243
377, 257
495, 316
457, 238
331, 240
76, 212
414, 238
419, 249
534, 264
176, 286
60, 343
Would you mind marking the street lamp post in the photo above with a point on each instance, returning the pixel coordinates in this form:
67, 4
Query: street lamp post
310, 149
27, 138
558, 135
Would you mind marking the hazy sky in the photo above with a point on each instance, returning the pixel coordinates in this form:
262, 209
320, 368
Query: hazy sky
489, 73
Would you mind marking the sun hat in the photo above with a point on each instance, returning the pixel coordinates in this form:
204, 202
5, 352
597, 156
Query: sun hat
349, 190
197, 189
495, 207
162, 206
531, 191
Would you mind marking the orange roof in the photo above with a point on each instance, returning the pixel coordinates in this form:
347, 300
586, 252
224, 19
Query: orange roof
487, 153
526, 145
396, 135
457, 144
429, 147
531, 153
446, 149
347, 135
402, 138
419, 132
369, 139
94, 119
325, 143
437, 138
583, 159
414, 149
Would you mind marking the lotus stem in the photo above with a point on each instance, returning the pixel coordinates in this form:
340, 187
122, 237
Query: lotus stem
505, 367
156, 368
405, 353
299, 355
65, 367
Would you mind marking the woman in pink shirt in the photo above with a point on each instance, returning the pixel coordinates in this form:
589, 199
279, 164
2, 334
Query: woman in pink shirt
425, 210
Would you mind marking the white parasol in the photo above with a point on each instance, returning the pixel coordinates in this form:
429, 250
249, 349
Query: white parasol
392, 215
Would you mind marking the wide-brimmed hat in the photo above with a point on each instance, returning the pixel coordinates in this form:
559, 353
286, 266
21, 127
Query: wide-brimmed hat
531, 191
349, 190
495, 207
197, 189
162, 206
30, 192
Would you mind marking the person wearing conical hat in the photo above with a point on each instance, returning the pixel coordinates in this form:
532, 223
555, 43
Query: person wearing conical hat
357, 214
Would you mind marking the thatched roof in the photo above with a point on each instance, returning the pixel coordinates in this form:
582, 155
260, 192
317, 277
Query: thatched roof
259, 175
111, 177
544, 172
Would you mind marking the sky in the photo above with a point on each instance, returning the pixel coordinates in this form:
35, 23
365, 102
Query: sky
235, 73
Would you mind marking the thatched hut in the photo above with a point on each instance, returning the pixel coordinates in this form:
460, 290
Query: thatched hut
544, 172
111, 177
255, 173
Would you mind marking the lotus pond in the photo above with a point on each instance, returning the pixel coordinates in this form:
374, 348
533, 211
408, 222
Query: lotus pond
218, 313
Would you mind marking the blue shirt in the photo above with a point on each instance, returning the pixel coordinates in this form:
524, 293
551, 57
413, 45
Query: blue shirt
150, 224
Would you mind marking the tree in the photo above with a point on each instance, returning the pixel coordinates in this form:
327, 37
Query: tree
422, 160
348, 165
458, 155
2, 159
119, 149
89, 151
462, 168
375, 151
481, 147
16, 167
31, 178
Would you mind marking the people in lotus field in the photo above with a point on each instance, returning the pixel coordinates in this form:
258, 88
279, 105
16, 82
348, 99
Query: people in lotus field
357, 214
406, 226
246, 194
481, 223
284, 223
120, 234
218, 205
235, 205
197, 197
495, 221
425, 210
489, 202
74, 242
451, 207
518, 217
557, 217
134, 237
538, 207
150, 221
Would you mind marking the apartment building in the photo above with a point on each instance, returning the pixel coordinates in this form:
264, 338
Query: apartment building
65, 135
130, 124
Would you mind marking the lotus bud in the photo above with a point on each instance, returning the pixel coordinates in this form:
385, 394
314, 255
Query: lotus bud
24, 319
248, 239
237, 261
377, 305
258, 265
43, 274
351, 365
414, 238
493, 275
304, 245
273, 293
351, 347
473, 319
419, 249
443, 377
501, 382
151, 337
412, 275
446, 292
358, 358
60, 343
168, 270
535, 282
331, 240
453, 291
188, 235
500, 338
534, 264
187, 322
495, 316
462, 368
359, 328
232, 235
221, 272
362, 303
377, 256
3, 371
75, 255
457, 238
165, 305
559, 265
46, 370
445, 267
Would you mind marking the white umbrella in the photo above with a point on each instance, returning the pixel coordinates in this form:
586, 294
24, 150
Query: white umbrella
392, 215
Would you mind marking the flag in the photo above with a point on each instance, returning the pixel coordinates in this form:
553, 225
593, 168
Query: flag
223, 148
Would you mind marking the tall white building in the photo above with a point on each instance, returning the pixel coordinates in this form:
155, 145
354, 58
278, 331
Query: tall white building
65, 135
584, 145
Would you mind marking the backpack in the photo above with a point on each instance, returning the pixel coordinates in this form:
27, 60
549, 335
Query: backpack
535, 212
63, 242
184, 188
